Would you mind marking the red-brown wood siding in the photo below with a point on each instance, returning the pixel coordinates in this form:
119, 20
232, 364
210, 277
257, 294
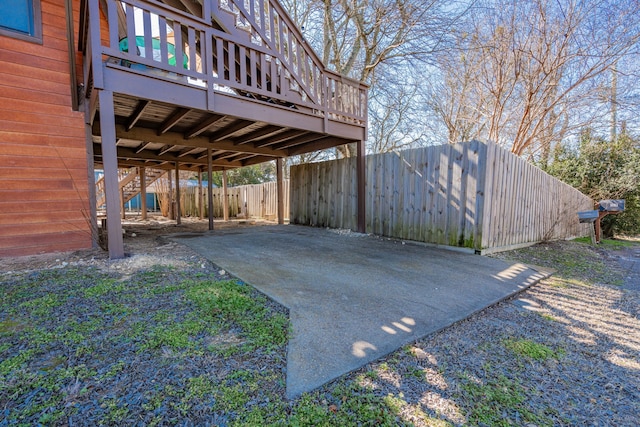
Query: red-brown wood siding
43, 167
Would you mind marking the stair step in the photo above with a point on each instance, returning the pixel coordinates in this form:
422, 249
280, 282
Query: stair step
226, 19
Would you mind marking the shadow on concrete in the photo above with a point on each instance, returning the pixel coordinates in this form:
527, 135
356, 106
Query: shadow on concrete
354, 298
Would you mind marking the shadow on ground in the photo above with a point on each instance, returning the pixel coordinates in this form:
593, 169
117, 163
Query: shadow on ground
354, 298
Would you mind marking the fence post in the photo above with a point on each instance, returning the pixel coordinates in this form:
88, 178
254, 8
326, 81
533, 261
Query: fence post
225, 200
210, 187
360, 172
200, 194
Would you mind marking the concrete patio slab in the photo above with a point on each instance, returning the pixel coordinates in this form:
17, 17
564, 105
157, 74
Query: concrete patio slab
354, 298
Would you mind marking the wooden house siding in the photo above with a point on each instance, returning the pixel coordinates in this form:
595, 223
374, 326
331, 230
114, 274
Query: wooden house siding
43, 162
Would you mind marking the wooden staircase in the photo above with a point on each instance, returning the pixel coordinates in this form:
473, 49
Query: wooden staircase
232, 17
246, 48
129, 183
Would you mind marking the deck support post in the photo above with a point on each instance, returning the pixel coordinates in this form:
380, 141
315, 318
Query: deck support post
361, 172
177, 212
225, 197
200, 195
280, 190
210, 187
143, 192
110, 164
91, 175
170, 195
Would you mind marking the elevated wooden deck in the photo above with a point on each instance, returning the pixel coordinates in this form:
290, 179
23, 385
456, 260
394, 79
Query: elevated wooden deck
248, 86
207, 84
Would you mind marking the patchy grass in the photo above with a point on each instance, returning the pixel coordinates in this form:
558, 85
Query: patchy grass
498, 401
532, 350
173, 346
609, 243
231, 301
109, 349
575, 263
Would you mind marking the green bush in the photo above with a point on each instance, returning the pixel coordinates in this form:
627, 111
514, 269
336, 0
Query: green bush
604, 169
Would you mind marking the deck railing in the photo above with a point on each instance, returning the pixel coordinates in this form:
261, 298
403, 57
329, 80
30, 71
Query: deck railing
247, 48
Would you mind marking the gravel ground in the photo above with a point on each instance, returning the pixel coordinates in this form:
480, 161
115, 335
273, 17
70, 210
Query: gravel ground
586, 316
564, 352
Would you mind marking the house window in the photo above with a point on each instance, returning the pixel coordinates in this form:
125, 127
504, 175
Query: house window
21, 19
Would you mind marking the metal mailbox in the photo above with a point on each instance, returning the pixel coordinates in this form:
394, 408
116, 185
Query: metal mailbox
611, 205
588, 216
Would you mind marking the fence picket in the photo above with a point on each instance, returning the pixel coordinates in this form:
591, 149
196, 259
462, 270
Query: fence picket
474, 195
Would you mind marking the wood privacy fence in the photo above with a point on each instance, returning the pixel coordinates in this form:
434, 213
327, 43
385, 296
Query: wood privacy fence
248, 201
472, 195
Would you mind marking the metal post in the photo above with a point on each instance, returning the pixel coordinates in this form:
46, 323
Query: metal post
110, 164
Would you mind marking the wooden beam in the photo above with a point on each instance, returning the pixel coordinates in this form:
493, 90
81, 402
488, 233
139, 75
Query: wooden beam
240, 157
210, 187
165, 149
280, 190
280, 137
129, 153
203, 126
298, 141
188, 151
320, 144
173, 120
175, 138
255, 160
142, 146
110, 162
230, 130
248, 148
225, 155
133, 118
91, 179
257, 134
126, 163
73, 78
215, 153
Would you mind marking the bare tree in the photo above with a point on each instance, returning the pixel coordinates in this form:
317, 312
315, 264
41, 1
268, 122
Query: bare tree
396, 114
525, 73
370, 40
